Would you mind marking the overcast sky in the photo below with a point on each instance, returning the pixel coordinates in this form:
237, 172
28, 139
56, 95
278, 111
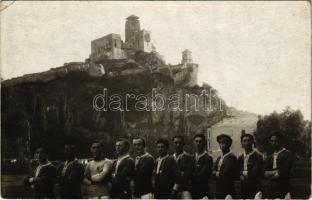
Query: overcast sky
256, 54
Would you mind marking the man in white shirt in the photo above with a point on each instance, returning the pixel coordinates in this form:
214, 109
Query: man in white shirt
97, 173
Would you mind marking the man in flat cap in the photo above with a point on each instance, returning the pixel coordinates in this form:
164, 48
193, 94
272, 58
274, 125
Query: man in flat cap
250, 165
278, 167
225, 169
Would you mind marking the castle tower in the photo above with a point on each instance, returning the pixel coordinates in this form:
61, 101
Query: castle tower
187, 62
187, 56
132, 30
144, 41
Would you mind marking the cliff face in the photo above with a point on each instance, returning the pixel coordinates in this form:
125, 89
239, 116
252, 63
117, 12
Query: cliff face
57, 106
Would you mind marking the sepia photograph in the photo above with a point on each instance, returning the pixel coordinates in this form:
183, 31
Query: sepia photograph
155, 99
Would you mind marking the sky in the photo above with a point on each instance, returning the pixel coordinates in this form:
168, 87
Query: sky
256, 54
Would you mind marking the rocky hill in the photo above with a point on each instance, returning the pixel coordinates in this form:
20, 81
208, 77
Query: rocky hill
57, 106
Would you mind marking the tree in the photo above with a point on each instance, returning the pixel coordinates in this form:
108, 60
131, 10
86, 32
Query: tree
290, 122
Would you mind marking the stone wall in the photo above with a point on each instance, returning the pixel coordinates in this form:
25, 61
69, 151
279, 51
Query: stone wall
107, 47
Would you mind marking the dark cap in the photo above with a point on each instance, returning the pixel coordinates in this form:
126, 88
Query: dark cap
247, 135
227, 137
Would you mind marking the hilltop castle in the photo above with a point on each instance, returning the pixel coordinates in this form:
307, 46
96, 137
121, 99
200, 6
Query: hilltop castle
112, 47
111, 56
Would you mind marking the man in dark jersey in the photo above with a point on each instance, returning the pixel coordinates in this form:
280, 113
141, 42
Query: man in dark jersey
250, 165
144, 166
70, 175
226, 170
123, 171
167, 174
203, 169
43, 177
278, 167
186, 165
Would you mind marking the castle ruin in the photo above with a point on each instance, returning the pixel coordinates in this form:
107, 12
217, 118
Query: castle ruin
112, 47
111, 56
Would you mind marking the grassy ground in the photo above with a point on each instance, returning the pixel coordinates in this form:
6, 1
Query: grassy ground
12, 187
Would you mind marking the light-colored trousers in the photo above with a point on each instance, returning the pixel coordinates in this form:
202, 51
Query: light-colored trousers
147, 196
185, 195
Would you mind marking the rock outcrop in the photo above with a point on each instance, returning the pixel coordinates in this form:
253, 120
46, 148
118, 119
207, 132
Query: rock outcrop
57, 106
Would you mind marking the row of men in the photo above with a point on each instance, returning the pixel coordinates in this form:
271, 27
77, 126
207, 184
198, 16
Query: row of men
180, 175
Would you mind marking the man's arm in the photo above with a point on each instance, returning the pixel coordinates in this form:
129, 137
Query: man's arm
256, 170
59, 172
26, 180
87, 175
216, 164
177, 177
268, 165
104, 173
206, 171
240, 163
216, 167
190, 167
229, 169
285, 165
77, 174
48, 176
240, 167
148, 166
127, 172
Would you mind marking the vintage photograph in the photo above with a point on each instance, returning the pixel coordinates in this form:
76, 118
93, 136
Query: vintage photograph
155, 99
